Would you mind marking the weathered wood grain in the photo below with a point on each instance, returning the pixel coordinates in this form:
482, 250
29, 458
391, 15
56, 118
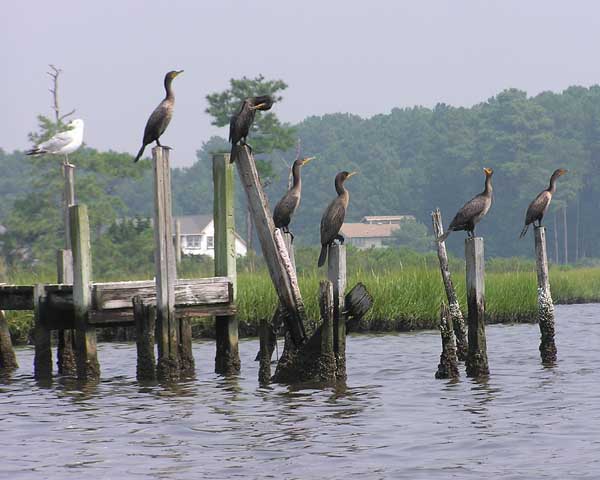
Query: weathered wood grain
336, 272
358, 302
144, 338
16, 297
448, 366
8, 359
42, 361
548, 350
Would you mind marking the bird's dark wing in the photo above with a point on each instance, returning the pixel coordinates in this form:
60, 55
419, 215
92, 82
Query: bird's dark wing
285, 208
538, 207
468, 212
158, 122
332, 220
232, 135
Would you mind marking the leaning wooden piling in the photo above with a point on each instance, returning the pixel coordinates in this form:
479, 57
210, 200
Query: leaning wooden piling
545, 304
169, 362
227, 358
460, 327
86, 355
8, 359
42, 360
277, 259
448, 366
336, 273
477, 361
144, 338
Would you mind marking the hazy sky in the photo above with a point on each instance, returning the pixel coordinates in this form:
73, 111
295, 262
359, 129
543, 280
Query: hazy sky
363, 57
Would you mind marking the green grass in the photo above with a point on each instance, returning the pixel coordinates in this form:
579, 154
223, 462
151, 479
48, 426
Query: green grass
405, 298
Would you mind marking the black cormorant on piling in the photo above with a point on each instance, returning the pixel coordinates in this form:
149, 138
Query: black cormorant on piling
538, 208
161, 116
333, 218
240, 123
286, 207
472, 211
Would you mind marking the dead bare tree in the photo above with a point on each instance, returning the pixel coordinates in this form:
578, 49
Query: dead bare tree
54, 74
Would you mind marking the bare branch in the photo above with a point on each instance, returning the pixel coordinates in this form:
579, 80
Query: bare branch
62, 117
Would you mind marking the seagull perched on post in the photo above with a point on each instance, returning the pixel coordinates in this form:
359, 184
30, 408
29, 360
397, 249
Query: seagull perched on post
62, 143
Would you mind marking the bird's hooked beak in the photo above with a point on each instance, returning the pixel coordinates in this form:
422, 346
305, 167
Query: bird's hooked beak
488, 171
177, 72
561, 172
306, 160
258, 107
351, 174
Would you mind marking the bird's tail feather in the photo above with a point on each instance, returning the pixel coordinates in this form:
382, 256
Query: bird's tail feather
140, 153
524, 231
323, 255
233, 151
444, 236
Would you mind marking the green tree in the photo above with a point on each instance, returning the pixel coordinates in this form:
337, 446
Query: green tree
413, 235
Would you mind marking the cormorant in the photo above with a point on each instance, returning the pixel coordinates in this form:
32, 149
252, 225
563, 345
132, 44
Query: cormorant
240, 123
286, 207
472, 211
333, 218
538, 208
62, 143
161, 116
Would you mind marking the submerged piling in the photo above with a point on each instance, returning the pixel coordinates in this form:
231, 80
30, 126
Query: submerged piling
145, 325
545, 304
8, 359
336, 272
477, 361
460, 327
448, 366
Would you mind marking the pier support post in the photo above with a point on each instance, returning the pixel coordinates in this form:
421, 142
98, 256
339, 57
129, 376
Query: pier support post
545, 304
336, 272
264, 369
328, 359
275, 253
227, 358
8, 359
169, 362
448, 366
477, 361
86, 355
66, 338
178, 241
144, 329
42, 362
460, 327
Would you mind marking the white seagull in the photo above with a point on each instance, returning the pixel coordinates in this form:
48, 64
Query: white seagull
62, 143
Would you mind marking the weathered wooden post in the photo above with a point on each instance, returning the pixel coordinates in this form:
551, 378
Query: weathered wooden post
8, 359
66, 339
448, 366
42, 362
275, 254
477, 362
178, 241
86, 355
169, 363
227, 358
336, 272
328, 361
460, 328
545, 304
144, 328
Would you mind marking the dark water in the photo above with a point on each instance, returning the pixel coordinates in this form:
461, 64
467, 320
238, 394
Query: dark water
393, 420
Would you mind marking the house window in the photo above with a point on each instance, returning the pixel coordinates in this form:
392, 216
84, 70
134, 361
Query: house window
194, 241
210, 243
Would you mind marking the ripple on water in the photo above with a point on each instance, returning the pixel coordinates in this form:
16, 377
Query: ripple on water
392, 420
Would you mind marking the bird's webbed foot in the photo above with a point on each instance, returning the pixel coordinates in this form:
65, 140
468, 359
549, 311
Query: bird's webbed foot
166, 147
339, 238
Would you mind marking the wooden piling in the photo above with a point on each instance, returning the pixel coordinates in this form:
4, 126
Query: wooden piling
42, 362
276, 257
169, 362
336, 272
328, 359
545, 304
8, 359
264, 369
178, 241
460, 327
144, 339
448, 366
477, 361
66, 338
227, 358
86, 356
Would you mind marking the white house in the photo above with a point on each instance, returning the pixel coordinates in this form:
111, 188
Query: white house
372, 230
198, 236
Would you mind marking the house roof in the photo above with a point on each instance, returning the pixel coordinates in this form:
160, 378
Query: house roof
385, 218
192, 224
366, 230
